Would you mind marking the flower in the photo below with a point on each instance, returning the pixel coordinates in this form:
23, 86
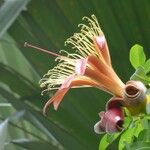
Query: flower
89, 66
112, 120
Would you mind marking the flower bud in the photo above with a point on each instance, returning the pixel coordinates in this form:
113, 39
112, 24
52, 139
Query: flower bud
111, 120
134, 96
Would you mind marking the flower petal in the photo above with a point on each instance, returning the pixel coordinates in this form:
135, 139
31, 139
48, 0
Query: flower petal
115, 102
105, 76
57, 98
101, 41
82, 81
104, 68
102, 48
111, 120
71, 81
80, 66
114, 120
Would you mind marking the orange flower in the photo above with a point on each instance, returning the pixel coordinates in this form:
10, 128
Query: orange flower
89, 66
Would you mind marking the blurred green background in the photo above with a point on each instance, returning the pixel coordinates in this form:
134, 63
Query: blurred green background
48, 23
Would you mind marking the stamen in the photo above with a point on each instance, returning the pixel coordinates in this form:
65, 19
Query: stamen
41, 49
83, 42
84, 46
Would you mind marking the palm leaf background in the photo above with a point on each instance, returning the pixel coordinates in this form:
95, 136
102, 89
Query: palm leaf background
48, 24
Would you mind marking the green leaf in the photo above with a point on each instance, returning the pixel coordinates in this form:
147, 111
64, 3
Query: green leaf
129, 134
103, 143
140, 146
16, 82
16, 60
107, 140
144, 135
42, 123
16, 122
36, 145
138, 129
147, 66
137, 56
9, 11
3, 134
147, 117
126, 137
127, 121
140, 75
144, 123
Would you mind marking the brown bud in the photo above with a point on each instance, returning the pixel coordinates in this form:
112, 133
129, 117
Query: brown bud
134, 96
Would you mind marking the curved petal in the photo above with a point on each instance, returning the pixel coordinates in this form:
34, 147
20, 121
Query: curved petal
105, 83
80, 66
105, 75
111, 120
102, 48
115, 102
58, 96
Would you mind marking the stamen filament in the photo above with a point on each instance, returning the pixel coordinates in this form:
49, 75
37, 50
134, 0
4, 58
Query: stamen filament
41, 49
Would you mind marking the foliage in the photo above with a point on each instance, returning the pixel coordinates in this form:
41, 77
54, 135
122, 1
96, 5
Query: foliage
137, 56
138, 61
